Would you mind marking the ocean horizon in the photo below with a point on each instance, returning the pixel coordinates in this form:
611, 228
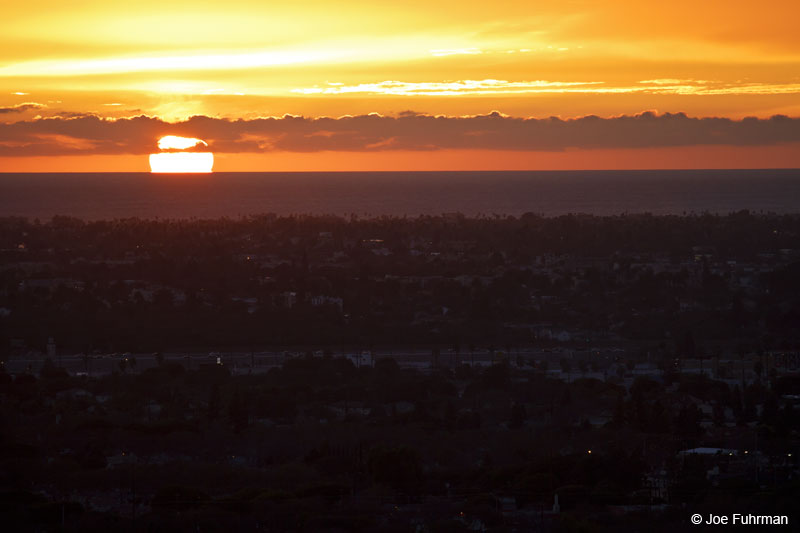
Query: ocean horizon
94, 196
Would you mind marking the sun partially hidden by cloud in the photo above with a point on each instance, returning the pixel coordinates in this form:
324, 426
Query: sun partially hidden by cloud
173, 142
173, 160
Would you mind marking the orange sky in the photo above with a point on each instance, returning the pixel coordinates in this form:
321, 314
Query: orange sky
245, 60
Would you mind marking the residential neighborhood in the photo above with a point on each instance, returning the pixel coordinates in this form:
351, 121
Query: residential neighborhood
429, 374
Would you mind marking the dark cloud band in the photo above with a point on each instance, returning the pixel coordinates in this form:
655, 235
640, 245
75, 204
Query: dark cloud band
85, 134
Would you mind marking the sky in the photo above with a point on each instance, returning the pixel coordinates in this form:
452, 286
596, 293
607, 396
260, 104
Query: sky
345, 85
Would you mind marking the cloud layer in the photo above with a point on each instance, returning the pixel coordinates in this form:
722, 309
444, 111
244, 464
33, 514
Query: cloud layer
662, 86
90, 134
20, 108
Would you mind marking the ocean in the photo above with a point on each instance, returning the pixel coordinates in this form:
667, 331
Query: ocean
93, 196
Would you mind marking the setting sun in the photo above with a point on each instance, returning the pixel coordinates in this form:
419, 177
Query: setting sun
178, 162
174, 160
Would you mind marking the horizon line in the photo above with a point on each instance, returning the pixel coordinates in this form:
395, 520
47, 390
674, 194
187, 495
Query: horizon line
661, 169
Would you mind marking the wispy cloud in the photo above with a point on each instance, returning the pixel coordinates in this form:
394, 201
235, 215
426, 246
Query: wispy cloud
20, 108
709, 87
505, 87
674, 81
443, 52
458, 87
117, 65
733, 89
82, 134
